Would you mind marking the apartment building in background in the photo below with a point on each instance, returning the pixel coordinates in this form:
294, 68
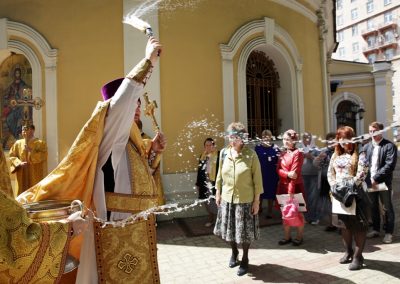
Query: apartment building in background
367, 32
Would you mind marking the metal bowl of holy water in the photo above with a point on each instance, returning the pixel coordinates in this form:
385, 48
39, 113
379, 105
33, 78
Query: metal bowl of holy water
55, 210
52, 210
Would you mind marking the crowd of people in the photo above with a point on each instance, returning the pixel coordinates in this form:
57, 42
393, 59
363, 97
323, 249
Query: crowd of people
346, 184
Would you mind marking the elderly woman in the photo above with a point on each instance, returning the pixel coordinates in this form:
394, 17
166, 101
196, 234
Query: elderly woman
238, 189
290, 180
347, 164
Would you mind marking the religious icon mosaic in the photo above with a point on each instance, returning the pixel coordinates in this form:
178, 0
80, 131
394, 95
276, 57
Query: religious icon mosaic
16, 98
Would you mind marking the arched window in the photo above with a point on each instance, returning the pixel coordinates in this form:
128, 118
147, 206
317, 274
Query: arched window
262, 82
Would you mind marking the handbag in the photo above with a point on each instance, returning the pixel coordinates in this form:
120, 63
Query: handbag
291, 215
345, 191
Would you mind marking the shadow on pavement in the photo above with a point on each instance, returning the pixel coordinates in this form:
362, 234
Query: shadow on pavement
283, 274
389, 267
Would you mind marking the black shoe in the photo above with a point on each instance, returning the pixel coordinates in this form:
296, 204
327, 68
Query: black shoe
284, 241
330, 229
347, 258
297, 242
357, 263
233, 261
243, 268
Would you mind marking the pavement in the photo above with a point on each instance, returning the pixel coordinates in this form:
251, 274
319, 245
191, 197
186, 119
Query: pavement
204, 259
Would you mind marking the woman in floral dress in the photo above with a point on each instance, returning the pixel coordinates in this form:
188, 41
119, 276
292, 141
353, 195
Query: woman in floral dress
347, 163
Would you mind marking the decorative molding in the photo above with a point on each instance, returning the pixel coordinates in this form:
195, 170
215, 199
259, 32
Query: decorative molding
356, 86
42, 51
229, 50
36, 39
352, 77
287, 50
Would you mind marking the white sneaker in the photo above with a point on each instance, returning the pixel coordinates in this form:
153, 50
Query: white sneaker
316, 222
372, 234
388, 239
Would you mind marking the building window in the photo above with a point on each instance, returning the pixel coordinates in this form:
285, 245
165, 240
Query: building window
340, 36
354, 14
354, 30
371, 41
372, 58
389, 36
388, 17
370, 6
342, 52
339, 4
387, 2
355, 47
389, 54
339, 20
370, 24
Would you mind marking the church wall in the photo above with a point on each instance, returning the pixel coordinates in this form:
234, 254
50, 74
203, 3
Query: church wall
89, 38
191, 71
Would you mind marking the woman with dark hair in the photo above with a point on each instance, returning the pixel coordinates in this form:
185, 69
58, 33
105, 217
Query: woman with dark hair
206, 174
238, 189
291, 181
347, 164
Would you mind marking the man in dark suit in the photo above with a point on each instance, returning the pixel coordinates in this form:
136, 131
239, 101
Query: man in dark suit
382, 156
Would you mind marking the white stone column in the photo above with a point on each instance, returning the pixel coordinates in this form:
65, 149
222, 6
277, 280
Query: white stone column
228, 91
383, 94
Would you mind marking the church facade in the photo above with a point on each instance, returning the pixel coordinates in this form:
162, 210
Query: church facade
264, 63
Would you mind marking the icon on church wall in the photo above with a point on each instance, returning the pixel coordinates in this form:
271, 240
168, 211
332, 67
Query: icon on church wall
16, 98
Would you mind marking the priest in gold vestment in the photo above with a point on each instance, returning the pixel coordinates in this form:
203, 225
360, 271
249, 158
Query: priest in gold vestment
32, 252
5, 181
80, 174
28, 158
156, 169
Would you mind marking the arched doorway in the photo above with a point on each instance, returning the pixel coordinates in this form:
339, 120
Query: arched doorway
346, 114
262, 82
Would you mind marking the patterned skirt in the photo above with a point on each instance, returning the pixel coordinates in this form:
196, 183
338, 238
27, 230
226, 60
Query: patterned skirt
235, 223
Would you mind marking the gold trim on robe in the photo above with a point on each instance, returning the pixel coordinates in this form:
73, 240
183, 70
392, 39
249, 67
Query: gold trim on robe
30, 252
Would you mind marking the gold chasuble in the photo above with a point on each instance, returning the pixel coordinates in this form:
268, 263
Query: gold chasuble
30, 252
33, 172
5, 181
73, 178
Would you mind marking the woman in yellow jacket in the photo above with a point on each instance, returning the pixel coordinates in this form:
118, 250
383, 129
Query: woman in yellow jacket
238, 189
